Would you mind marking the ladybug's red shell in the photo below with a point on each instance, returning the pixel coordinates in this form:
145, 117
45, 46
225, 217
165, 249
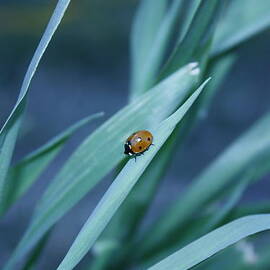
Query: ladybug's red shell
138, 142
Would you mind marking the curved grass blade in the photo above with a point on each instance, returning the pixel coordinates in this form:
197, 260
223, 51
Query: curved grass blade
25, 173
89, 163
145, 77
199, 35
240, 23
221, 173
145, 28
9, 131
213, 242
120, 188
189, 15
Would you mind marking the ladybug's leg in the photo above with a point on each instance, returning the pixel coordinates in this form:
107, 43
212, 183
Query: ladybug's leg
147, 148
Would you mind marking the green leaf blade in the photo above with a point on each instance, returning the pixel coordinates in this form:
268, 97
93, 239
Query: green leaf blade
151, 62
198, 35
145, 28
251, 19
22, 176
213, 242
9, 131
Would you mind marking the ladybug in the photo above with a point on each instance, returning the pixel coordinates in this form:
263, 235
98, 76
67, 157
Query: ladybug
137, 143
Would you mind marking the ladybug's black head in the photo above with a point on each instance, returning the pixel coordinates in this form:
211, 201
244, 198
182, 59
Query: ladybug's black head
128, 150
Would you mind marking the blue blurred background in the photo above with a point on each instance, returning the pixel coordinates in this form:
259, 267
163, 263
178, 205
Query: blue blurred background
86, 70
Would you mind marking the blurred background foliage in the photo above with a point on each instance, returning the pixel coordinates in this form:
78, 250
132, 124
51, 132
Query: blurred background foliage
85, 70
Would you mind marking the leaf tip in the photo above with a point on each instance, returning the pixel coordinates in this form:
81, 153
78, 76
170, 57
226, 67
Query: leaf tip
194, 68
207, 80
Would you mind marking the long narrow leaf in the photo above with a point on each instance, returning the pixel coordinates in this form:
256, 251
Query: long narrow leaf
189, 15
25, 173
199, 35
151, 62
241, 22
145, 28
214, 242
120, 188
9, 131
